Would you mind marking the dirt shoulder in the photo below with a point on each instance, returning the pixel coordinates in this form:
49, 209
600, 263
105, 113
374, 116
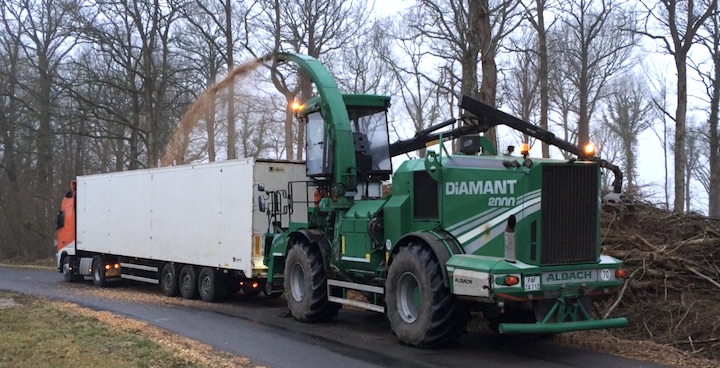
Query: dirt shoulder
38, 331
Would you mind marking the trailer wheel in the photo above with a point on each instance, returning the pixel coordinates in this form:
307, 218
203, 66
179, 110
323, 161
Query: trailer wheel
169, 280
210, 286
306, 284
98, 267
67, 271
421, 310
188, 282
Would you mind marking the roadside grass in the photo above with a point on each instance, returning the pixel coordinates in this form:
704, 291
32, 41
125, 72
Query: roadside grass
37, 333
48, 262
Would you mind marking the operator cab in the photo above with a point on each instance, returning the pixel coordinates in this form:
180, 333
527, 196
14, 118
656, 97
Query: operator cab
368, 121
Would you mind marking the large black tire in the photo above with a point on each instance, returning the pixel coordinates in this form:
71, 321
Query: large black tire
306, 284
169, 280
187, 279
69, 271
210, 285
98, 272
421, 310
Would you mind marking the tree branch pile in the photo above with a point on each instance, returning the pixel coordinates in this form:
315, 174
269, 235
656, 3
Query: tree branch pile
672, 295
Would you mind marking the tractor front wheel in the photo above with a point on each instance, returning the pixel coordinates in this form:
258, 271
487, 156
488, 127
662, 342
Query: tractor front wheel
421, 309
306, 284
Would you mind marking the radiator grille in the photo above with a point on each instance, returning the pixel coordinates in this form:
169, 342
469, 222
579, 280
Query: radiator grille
425, 194
569, 214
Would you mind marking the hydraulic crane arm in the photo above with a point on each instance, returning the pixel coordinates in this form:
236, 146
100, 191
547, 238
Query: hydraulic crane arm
489, 116
485, 117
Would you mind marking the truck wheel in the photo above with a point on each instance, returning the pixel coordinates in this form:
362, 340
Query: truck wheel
68, 274
306, 284
210, 286
169, 280
99, 272
421, 310
188, 282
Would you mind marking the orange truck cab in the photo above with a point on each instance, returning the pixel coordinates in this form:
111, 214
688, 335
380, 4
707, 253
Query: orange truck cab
66, 225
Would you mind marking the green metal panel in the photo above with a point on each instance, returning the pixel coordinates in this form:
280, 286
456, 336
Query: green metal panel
397, 217
353, 100
472, 263
359, 256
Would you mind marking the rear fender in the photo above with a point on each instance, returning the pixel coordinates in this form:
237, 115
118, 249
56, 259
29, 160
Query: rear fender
315, 238
443, 245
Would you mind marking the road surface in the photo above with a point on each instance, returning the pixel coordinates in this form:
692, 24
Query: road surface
258, 328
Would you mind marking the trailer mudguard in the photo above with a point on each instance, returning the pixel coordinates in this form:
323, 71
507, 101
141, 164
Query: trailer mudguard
443, 245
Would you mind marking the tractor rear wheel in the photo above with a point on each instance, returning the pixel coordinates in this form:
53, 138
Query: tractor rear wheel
306, 284
421, 310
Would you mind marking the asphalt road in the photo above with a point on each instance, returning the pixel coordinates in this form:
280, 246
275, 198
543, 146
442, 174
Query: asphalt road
257, 327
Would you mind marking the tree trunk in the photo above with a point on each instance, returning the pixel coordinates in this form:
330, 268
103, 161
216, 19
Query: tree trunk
583, 135
45, 134
680, 116
629, 167
543, 73
289, 119
488, 86
232, 135
714, 195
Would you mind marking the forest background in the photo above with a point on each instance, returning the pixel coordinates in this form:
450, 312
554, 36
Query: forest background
99, 86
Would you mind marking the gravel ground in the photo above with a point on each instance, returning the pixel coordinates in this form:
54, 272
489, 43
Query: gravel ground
188, 349
599, 341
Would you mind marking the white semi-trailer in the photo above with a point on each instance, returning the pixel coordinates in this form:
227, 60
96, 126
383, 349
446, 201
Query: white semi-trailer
194, 229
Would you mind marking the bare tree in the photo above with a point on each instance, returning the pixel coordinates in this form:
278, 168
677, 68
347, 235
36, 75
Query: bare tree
695, 139
468, 32
660, 96
627, 116
420, 101
522, 84
710, 76
677, 25
538, 23
362, 69
562, 93
318, 28
597, 44
203, 46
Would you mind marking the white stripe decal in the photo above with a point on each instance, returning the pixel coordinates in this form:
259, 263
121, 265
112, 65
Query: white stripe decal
476, 222
355, 259
463, 226
481, 241
489, 225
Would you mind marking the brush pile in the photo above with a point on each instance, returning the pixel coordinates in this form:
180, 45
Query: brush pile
672, 295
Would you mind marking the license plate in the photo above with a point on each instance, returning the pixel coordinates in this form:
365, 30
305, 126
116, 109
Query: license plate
569, 277
532, 283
